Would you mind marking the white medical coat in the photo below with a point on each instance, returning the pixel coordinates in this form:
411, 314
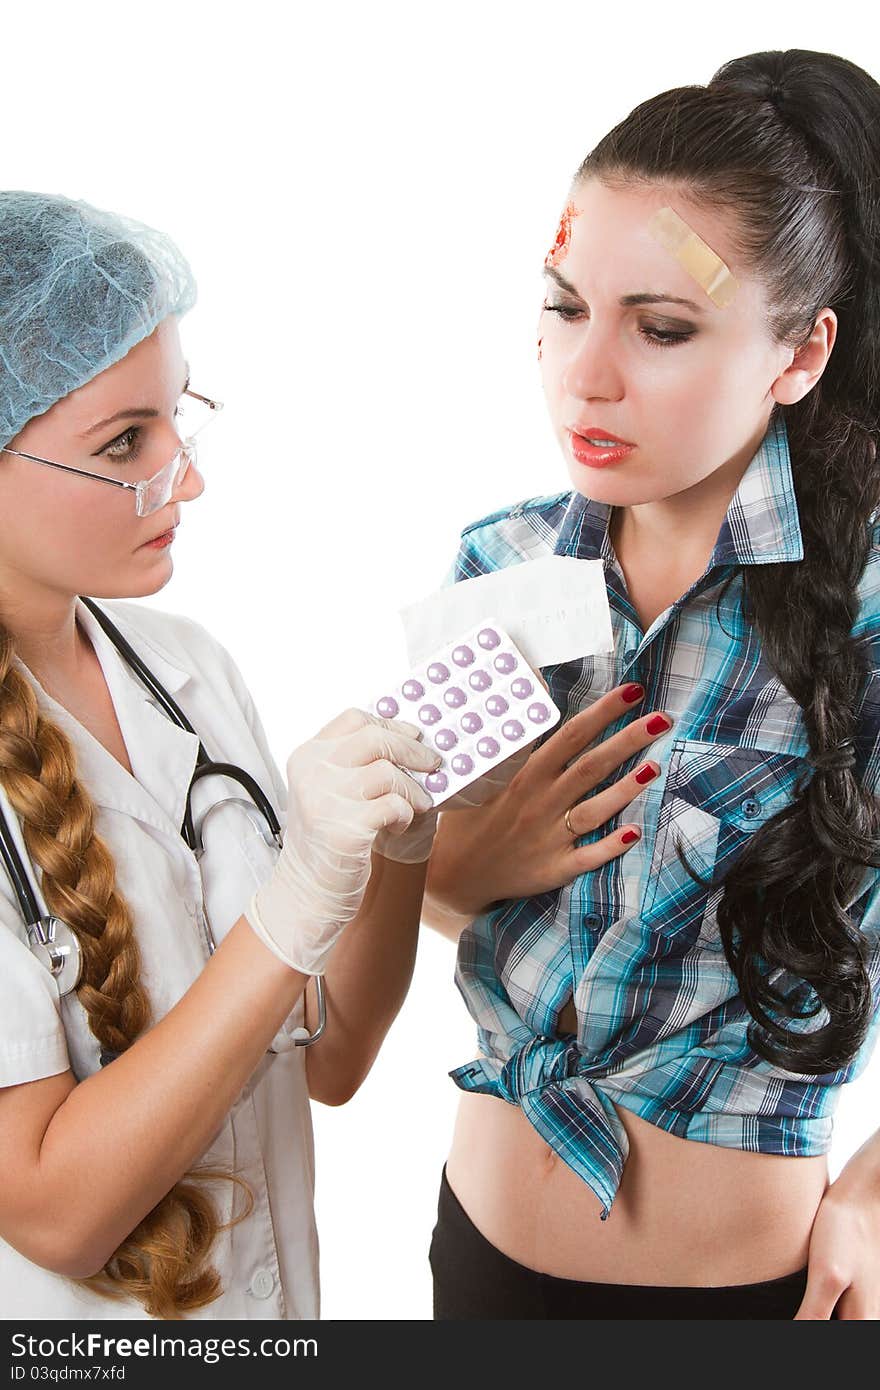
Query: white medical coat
268, 1264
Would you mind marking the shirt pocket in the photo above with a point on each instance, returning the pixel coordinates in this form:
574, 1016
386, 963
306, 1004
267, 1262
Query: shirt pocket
715, 797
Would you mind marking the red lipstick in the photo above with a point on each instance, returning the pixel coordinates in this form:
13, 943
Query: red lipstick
597, 455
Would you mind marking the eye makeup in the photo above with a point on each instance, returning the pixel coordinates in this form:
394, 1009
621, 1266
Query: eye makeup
144, 413
131, 439
654, 335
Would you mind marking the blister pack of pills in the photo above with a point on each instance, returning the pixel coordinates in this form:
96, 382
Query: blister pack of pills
478, 701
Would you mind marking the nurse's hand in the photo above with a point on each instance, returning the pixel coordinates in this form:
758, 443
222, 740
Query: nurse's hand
344, 789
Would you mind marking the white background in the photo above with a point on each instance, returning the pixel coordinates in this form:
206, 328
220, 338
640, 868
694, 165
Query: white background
366, 194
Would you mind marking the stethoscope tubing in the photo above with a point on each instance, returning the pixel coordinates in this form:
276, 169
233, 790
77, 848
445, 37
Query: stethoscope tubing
42, 928
21, 883
204, 766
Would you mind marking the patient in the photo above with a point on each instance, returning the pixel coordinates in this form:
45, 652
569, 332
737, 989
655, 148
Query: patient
667, 921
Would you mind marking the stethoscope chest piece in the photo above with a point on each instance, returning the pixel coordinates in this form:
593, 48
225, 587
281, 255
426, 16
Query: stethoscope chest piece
54, 944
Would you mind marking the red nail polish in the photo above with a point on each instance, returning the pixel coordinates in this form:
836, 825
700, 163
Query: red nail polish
628, 836
658, 724
647, 774
631, 693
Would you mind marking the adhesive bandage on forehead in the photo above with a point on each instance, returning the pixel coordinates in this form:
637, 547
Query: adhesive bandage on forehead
698, 259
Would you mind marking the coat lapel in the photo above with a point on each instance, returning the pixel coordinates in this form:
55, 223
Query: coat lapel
162, 755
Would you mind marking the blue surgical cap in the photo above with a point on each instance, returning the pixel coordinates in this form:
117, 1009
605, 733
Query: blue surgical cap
78, 288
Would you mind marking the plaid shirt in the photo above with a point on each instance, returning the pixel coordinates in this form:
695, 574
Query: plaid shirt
661, 1025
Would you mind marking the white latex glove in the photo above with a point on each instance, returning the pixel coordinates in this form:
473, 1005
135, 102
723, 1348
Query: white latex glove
415, 844
343, 788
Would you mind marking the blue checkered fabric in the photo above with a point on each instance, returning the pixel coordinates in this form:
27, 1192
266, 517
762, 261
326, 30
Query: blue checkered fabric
661, 1025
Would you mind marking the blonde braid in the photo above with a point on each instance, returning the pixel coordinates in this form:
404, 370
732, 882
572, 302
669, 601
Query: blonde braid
162, 1263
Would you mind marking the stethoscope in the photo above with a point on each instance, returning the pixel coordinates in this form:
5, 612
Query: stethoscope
51, 940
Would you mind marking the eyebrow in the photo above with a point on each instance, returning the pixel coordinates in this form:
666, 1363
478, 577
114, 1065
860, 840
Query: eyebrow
626, 299
141, 412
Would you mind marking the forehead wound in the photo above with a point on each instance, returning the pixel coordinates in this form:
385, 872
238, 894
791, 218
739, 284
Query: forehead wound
559, 250
691, 251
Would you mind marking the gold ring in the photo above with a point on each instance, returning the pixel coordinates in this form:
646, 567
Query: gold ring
568, 825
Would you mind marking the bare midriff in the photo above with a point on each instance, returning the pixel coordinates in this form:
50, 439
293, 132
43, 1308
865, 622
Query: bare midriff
686, 1212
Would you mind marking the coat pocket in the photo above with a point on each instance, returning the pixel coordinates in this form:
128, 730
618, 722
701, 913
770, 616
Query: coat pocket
715, 797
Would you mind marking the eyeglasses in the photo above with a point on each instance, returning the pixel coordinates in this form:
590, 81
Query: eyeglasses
153, 493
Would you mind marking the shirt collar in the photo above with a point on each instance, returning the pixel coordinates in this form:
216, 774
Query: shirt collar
166, 671
162, 754
762, 525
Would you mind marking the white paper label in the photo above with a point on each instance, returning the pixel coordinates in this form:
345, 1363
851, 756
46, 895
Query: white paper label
555, 609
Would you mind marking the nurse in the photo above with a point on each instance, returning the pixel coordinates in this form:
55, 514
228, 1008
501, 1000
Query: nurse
155, 1137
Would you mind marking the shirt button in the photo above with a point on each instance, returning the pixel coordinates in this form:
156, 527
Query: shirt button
631, 654
262, 1283
593, 921
750, 807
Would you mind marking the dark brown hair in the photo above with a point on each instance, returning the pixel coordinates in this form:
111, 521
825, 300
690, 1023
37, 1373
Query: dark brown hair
787, 146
